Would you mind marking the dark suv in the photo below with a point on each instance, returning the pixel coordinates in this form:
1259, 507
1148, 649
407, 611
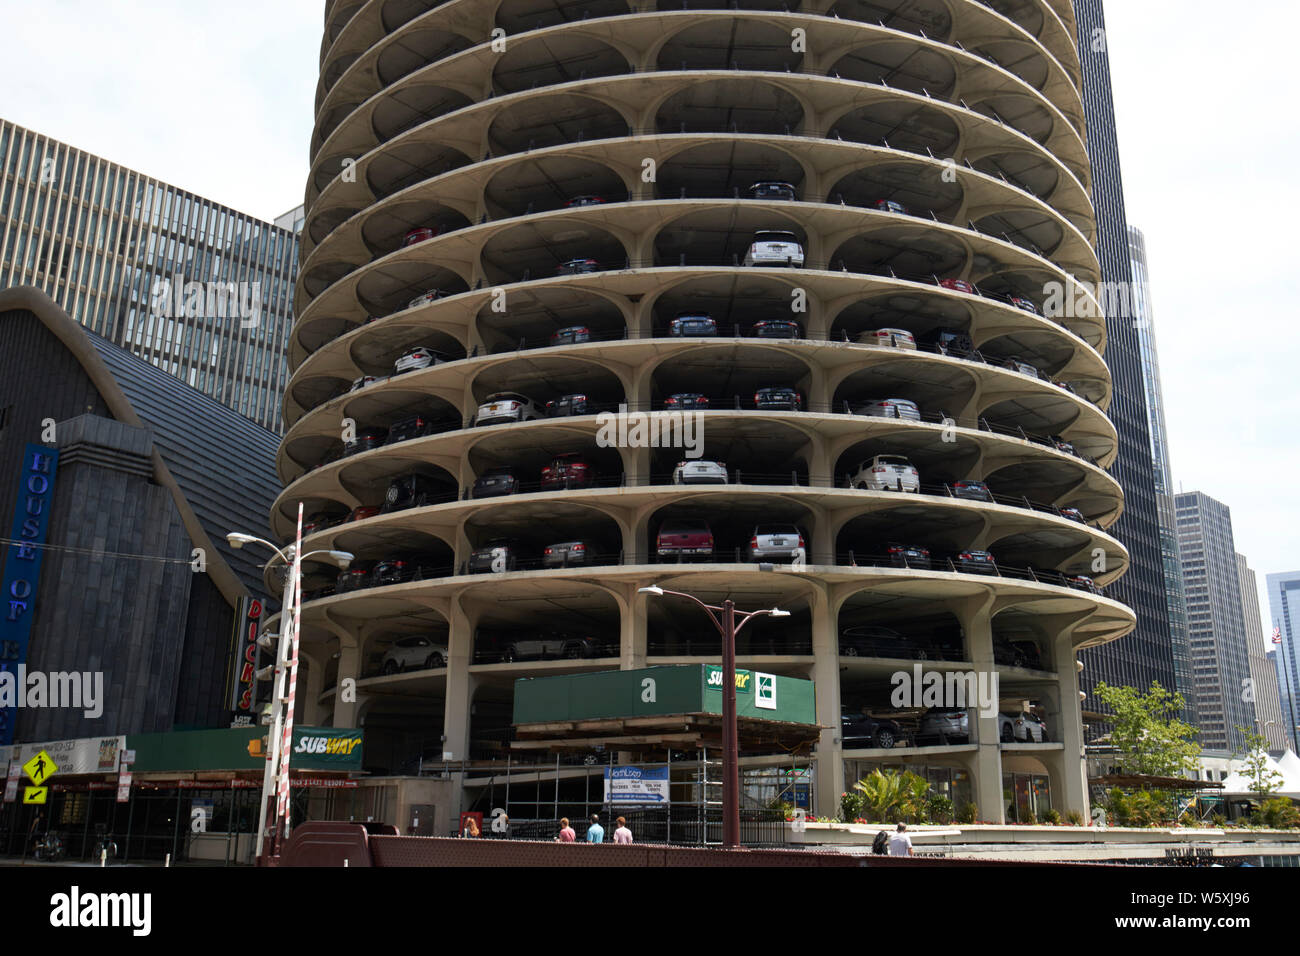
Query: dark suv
416, 426
367, 439
496, 557
411, 491
862, 730
566, 405
494, 483
950, 342
972, 490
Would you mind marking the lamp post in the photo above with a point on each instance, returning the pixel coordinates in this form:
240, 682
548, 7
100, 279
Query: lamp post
725, 621
276, 775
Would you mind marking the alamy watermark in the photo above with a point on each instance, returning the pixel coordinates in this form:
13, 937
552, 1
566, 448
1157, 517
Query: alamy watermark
56, 689
955, 689
624, 429
176, 298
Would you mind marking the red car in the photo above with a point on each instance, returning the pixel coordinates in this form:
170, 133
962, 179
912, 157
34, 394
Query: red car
566, 471
683, 538
361, 514
959, 285
419, 235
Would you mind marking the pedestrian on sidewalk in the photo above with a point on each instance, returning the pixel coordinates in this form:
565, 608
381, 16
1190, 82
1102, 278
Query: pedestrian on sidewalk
900, 844
566, 832
595, 832
622, 834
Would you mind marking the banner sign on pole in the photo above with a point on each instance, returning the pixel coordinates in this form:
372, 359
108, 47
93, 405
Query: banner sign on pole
636, 785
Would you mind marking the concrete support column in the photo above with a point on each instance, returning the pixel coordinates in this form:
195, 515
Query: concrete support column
826, 676
633, 636
460, 683
310, 710
348, 705
1072, 793
976, 617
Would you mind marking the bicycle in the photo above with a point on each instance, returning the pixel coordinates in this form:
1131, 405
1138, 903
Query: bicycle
49, 848
105, 849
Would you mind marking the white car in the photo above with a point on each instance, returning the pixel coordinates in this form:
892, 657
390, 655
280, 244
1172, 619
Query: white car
417, 358
420, 300
775, 247
1022, 728
508, 407
890, 338
1024, 368
887, 473
365, 381
890, 408
414, 653
700, 473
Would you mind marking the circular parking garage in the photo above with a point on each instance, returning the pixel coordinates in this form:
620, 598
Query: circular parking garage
783, 363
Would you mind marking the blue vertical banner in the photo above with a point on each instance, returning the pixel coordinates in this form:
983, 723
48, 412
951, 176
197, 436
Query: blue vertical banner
22, 575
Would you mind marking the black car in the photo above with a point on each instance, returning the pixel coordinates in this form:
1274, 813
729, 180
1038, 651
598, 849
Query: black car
411, 491
909, 556
417, 426
492, 484
366, 440
975, 562
567, 405
973, 490
564, 554
693, 325
779, 398
577, 266
777, 329
950, 342
573, 335
772, 190
354, 578
496, 557
394, 572
686, 401
861, 730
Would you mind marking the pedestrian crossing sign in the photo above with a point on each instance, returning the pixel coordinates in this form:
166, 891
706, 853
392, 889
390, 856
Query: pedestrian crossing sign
40, 769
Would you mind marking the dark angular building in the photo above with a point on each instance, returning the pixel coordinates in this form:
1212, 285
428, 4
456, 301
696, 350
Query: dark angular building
136, 578
1146, 654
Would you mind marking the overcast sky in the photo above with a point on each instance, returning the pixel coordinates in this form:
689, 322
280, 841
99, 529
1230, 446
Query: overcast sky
216, 97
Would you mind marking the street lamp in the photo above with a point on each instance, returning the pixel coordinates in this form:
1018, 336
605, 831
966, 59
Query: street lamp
275, 778
728, 628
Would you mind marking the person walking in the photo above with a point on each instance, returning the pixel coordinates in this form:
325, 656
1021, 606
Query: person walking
566, 832
471, 828
595, 832
622, 834
900, 844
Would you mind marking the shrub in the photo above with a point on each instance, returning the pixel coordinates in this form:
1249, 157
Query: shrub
1053, 817
968, 813
851, 805
1218, 819
1279, 814
1030, 817
1075, 818
939, 808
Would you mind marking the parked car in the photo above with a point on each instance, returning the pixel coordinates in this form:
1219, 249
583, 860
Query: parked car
354, 578
889, 205
411, 491
361, 514
950, 342
431, 296
421, 234
1074, 514
566, 405
886, 473
1060, 444
972, 490
1020, 302
366, 439
417, 358
495, 482
567, 554
685, 537
394, 571
776, 542
365, 381
1021, 728
553, 645
577, 201
693, 325
318, 521
890, 408
1083, 583
863, 730
414, 653
975, 562
772, 190
496, 557
566, 471
889, 338
406, 429
946, 726
686, 401
959, 285
775, 247
777, 329
909, 556
700, 471
873, 640
779, 398
1024, 368
577, 266
572, 335
507, 407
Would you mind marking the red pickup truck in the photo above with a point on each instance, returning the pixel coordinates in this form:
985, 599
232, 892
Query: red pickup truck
685, 538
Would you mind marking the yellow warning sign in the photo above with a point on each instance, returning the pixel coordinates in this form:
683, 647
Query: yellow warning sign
35, 794
40, 769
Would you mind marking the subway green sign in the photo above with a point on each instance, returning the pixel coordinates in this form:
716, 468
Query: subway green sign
245, 748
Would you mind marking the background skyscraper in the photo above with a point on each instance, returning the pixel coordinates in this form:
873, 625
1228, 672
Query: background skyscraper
1215, 622
1263, 673
1283, 605
1148, 653
117, 249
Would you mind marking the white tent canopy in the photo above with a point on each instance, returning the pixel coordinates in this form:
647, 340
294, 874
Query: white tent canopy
1288, 767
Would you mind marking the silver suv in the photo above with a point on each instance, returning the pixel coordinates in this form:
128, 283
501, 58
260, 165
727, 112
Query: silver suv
776, 542
775, 247
886, 473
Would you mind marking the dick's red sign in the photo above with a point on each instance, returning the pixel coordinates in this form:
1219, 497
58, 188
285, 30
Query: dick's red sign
246, 627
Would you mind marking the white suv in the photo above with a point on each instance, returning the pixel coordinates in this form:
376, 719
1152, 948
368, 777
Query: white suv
507, 407
887, 473
414, 653
775, 247
890, 408
700, 472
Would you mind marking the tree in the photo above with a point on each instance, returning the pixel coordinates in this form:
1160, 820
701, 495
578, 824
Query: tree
1264, 779
1147, 732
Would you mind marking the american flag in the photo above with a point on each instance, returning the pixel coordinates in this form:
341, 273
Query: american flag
1277, 634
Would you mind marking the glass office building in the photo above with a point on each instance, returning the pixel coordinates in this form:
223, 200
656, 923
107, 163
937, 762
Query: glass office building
1284, 613
193, 287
